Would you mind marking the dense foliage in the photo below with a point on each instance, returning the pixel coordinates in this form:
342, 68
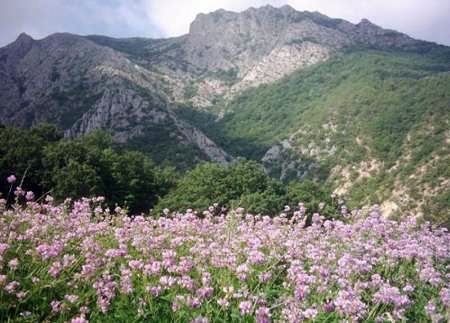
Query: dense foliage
94, 166
78, 262
243, 184
389, 108
380, 95
88, 166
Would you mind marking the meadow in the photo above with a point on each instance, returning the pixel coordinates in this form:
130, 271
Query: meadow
78, 261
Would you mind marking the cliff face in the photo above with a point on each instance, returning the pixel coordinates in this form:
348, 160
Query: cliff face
226, 52
80, 86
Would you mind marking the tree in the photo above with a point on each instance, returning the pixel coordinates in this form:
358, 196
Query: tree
21, 154
244, 183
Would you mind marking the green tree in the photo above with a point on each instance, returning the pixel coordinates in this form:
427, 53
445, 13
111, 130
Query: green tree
76, 180
244, 183
21, 154
92, 165
312, 194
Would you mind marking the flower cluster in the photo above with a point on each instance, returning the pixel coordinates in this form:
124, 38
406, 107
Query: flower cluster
79, 262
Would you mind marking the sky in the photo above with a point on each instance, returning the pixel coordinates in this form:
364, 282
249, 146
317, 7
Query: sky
422, 19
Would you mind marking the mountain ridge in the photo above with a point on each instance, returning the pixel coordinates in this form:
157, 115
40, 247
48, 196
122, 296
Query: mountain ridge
183, 99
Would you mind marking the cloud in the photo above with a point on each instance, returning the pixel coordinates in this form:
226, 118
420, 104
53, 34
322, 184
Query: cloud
165, 18
40, 18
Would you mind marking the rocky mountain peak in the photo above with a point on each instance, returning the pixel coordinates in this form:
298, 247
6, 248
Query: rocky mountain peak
263, 16
365, 21
367, 24
24, 37
20, 47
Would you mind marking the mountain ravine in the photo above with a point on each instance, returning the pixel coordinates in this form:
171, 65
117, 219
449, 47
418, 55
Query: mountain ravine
352, 105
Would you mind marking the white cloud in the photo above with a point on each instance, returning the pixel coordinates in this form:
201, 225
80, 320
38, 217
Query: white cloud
40, 18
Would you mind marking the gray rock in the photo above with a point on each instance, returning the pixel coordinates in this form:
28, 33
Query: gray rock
121, 85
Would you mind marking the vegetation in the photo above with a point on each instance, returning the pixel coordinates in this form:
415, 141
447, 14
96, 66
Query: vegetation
386, 107
231, 243
393, 91
94, 166
79, 262
81, 168
244, 184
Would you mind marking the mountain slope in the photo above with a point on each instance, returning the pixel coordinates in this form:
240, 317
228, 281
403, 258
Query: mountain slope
374, 124
260, 45
71, 81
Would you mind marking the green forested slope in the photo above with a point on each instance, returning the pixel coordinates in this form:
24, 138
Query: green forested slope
376, 120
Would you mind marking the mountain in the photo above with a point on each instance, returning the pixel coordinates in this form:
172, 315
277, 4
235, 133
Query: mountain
259, 46
362, 108
71, 81
375, 125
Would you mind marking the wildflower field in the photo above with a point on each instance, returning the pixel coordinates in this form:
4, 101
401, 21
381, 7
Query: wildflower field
79, 262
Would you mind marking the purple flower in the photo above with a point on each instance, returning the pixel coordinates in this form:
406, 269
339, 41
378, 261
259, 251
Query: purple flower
135, 264
245, 307
56, 306
408, 288
13, 264
29, 196
445, 296
55, 268
205, 292
390, 295
348, 303
310, 313
256, 257
19, 191
79, 319
264, 277
11, 179
223, 302
200, 319
329, 307
71, 298
12, 287
125, 281
301, 292
3, 248
262, 315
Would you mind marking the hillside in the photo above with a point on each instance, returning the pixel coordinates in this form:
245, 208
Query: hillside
373, 124
70, 81
355, 106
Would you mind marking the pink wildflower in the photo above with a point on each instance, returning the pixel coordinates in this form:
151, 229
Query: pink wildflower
262, 315
29, 196
11, 179
11, 287
79, 319
245, 307
13, 264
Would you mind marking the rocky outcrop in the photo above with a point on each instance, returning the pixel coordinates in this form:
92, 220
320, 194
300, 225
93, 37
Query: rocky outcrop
206, 145
282, 61
81, 86
260, 45
125, 85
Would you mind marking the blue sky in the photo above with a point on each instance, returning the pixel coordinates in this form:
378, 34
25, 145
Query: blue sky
428, 20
